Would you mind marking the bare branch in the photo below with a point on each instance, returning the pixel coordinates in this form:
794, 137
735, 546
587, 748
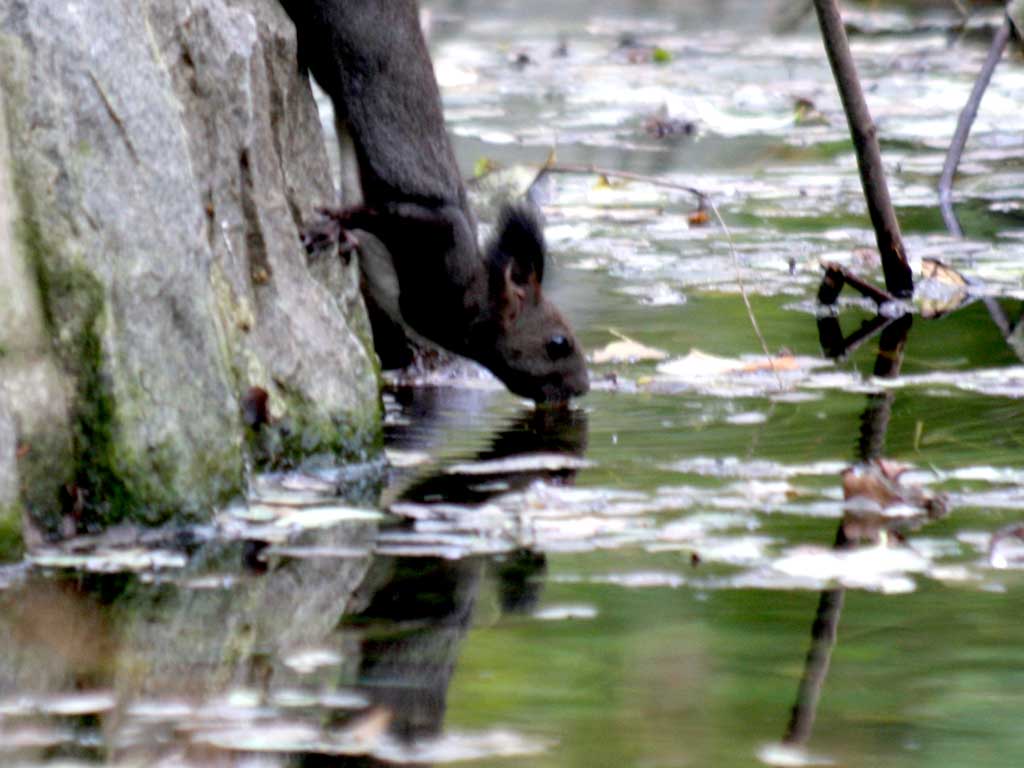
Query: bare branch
898, 278
963, 127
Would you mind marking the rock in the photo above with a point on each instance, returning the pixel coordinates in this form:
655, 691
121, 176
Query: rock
164, 156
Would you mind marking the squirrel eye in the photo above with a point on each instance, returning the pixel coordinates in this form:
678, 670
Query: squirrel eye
558, 347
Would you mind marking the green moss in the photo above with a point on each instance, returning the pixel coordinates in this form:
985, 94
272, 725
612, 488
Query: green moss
12, 546
118, 482
42, 474
307, 431
121, 480
309, 434
48, 464
74, 303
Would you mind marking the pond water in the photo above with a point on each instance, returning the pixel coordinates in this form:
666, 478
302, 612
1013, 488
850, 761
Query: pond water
692, 566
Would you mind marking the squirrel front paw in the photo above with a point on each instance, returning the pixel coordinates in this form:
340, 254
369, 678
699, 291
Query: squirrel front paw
330, 229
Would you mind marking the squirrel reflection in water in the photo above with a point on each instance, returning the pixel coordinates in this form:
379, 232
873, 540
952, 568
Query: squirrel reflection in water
415, 611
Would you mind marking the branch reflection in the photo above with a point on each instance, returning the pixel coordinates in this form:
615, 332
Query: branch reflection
869, 487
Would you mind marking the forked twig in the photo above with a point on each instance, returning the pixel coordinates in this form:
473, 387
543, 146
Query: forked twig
840, 275
743, 291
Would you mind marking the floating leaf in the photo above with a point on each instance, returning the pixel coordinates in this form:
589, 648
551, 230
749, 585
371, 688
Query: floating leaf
564, 612
626, 350
941, 290
877, 568
79, 703
791, 756
128, 560
406, 459
533, 462
806, 113
457, 747
326, 516
313, 659
701, 369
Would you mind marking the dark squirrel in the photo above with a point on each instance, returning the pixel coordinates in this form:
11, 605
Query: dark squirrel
371, 59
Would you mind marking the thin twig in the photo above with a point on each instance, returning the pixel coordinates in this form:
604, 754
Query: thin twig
608, 172
956, 149
743, 290
898, 278
704, 200
963, 126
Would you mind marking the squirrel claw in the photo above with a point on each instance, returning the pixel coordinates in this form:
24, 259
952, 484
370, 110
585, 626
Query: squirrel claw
321, 234
329, 231
348, 243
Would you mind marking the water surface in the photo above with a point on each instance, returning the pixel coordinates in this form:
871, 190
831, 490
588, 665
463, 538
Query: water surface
668, 574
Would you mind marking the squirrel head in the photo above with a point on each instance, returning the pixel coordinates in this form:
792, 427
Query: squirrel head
524, 339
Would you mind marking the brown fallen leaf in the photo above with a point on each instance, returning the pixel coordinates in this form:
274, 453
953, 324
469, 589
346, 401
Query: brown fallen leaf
698, 218
784, 362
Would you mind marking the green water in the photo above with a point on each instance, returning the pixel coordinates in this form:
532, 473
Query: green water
639, 581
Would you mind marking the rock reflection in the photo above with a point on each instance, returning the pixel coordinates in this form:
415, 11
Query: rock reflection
292, 650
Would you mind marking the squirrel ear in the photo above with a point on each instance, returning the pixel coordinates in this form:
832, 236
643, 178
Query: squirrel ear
518, 245
511, 299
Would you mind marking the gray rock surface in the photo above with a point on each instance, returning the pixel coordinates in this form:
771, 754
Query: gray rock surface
163, 157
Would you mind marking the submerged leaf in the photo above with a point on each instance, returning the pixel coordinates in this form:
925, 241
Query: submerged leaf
876, 487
